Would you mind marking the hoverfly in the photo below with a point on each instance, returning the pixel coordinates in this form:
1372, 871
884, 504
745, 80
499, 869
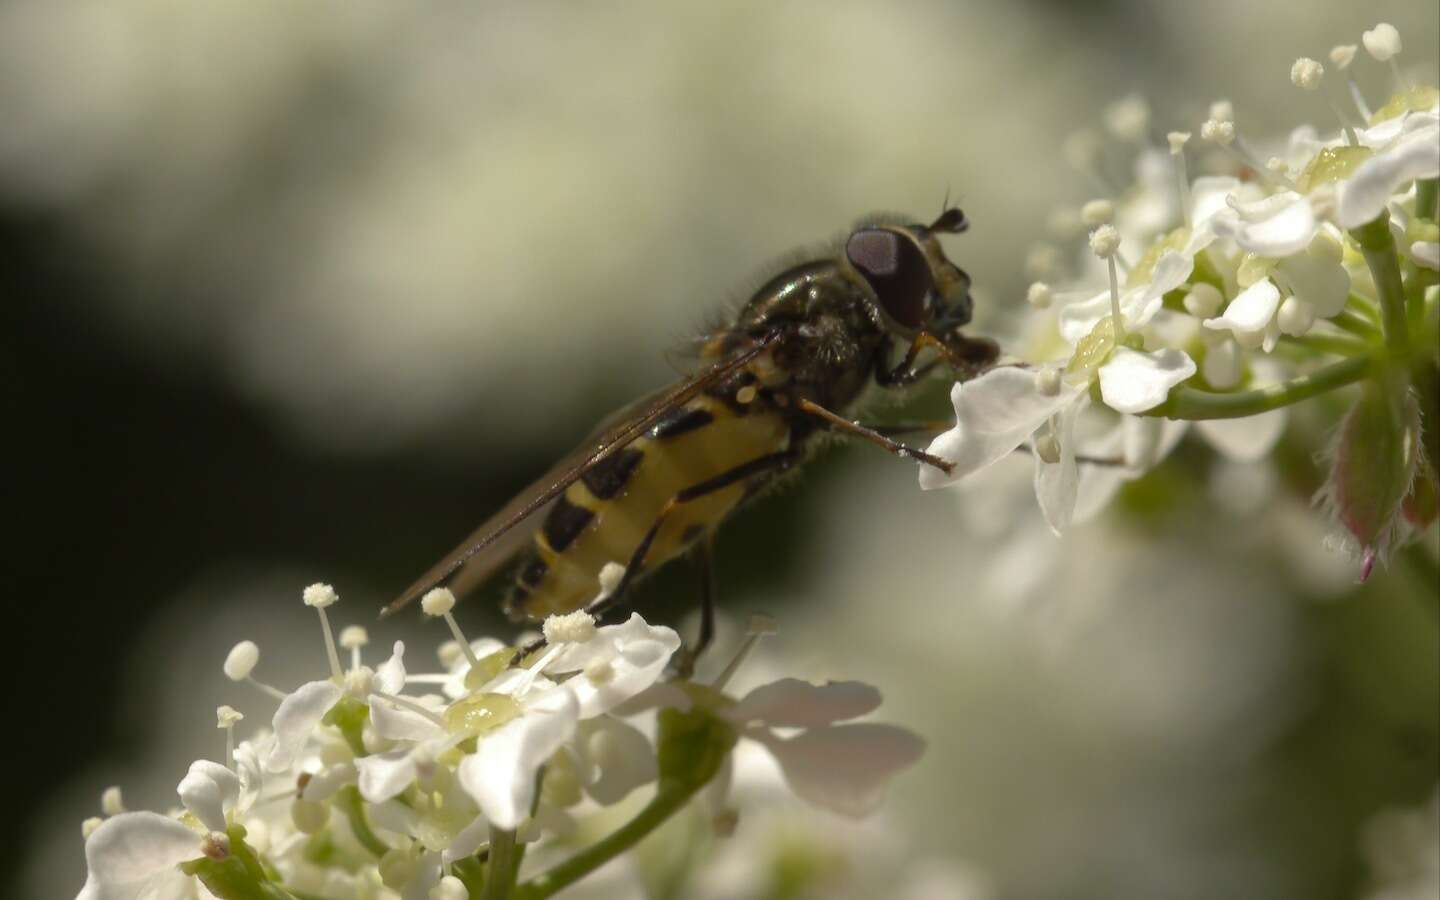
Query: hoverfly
667, 470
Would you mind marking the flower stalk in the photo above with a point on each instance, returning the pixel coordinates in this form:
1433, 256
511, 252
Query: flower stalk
501, 870
1378, 246
1195, 404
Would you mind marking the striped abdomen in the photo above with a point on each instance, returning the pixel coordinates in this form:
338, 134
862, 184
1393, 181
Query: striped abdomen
602, 517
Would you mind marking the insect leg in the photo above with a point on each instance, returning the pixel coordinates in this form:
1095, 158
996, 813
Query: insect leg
840, 423
705, 562
770, 462
760, 464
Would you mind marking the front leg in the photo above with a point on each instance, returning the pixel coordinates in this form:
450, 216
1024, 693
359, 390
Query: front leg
840, 423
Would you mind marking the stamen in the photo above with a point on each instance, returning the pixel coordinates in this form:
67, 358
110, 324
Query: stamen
611, 574
1342, 55
438, 602
352, 638
1047, 382
241, 661
112, 802
1039, 295
1383, 44
1097, 212
1063, 223
1222, 133
225, 719
411, 705
1081, 149
1047, 445
88, 826
1307, 74
1105, 243
1178, 140
760, 625
1128, 119
320, 596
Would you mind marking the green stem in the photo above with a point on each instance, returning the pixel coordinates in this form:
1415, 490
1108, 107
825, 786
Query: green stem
1195, 404
1349, 319
353, 806
1378, 246
1325, 343
1427, 199
666, 802
500, 871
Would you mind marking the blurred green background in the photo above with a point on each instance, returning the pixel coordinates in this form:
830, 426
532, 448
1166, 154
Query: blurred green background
302, 291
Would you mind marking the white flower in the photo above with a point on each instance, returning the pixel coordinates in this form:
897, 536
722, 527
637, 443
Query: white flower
841, 767
1000, 410
135, 855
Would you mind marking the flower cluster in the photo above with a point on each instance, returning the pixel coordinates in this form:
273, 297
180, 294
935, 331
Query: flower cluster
1224, 299
383, 783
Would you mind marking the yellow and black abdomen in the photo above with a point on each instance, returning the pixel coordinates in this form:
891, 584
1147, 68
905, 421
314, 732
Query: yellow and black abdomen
603, 516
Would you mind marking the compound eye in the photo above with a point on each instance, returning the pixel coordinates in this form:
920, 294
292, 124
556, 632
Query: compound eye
897, 272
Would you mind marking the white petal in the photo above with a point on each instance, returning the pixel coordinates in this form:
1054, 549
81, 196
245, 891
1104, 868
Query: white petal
328, 781
1132, 382
207, 790
1174, 266
1249, 313
468, 842
1248, 439
1098, 484
1208, 196
1426, 253
427, 875
1362, 196
615, 758
1277, 226
1322, 283
397, 723
296, 718
1145, 442
390, 677
385, 775
845, 768
1057, 484
128, 851
792, 703
173, 884
500, 775
248, 769
1271, 335
994, 414
393, 815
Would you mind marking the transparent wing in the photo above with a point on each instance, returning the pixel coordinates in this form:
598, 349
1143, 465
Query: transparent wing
501, 536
